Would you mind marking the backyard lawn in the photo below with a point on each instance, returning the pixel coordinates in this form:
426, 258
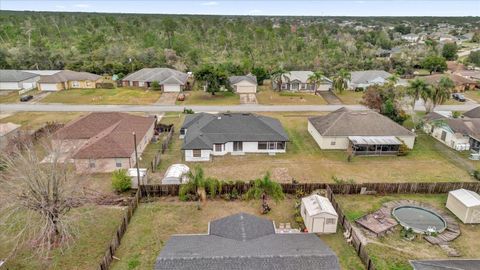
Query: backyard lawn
350, 97
473, 94
120, 95
34, 120
305, 162
267, 96
391, 251
200, 97
154, 223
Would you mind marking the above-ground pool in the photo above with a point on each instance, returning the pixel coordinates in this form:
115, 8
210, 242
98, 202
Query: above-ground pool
419, 219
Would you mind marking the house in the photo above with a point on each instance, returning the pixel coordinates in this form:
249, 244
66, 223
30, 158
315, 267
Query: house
318, 214
411, 38
359, 132
170, 80
176, 174
207, 135
460, 134
246, 242
103, 141
8, 131
473, 75
473, 113
446, 264
299, 81
465, 204
461, 83
365, 78
67, 79
244, 84
17, 80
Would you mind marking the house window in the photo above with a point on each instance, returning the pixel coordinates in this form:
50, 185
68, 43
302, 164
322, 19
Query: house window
238, 146
91, 163
333, 143
271, 145
118, 163
75, 84
262, 145
218, 147
330, 221
87, 83
280, 145
197, 153
444, 135
183, 131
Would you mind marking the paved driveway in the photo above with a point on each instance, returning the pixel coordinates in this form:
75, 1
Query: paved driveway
248, 99
167, 99
330, 97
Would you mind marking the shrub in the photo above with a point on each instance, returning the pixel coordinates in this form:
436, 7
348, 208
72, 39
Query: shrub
265, 186
121, 181
403, 150
476, 174
155, 85
188, 111
339, 180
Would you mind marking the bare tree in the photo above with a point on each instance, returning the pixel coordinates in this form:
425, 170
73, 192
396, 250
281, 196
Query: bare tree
36, 199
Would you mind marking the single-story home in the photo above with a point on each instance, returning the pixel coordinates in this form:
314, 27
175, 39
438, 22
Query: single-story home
103, 141
244, 84
473, 75
207, 135
412, 38
460, 134
365, 78
68, 79
244, 241
473, 113
17, 80
299, 81
170, 80
8, 131
465, 204
360, 132
318, 214
446, 264
461, 83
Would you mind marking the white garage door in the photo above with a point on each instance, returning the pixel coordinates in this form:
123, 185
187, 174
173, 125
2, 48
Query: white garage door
171, 88
28, 85
245, 89
48, 87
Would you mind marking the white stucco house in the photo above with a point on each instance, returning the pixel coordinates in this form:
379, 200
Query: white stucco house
244, 84
205, 135
318, 214
17, 80
170, 80
299, 81
359, 132
411, 38
465, 204
365, 78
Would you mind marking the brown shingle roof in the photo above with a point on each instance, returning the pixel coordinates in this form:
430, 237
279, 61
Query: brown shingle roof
68, 75
473, 113
344, 122
109, 134
457, 79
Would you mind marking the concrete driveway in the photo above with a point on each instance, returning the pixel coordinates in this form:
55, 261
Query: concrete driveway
167, 99
330, 97
248, 99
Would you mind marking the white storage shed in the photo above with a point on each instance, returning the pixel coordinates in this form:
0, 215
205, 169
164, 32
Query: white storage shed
465, 204
318, 214
132, 172
176, 174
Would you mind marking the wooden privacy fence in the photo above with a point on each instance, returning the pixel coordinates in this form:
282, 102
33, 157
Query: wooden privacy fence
165, 143
115, 243
167, 140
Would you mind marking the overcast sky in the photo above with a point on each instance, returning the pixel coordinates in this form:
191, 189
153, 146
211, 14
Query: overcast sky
260, 7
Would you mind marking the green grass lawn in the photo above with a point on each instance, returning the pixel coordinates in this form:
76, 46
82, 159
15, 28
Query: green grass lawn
473, 94
94, 231
104, 96
350, 97
267, 96
14, 96
200, 97
391, 251
306, 162
154, 223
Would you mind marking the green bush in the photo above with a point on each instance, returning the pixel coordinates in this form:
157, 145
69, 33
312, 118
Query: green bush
155, 85
403, 150
476, 174
121, 181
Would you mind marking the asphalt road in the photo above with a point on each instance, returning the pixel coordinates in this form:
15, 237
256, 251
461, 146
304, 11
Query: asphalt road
19, 107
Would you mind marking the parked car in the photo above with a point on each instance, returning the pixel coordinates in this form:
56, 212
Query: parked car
459, 97
26, 98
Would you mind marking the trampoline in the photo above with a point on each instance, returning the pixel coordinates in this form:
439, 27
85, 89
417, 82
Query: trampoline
419, 219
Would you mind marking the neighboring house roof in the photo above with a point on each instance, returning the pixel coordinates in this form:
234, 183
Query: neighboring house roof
68, 75
368, 76
161, 75
204, 130
473, 74
6, 128
249, 78
108, 134
9, 75
455, 66
467, 197
473, 113
316, 204
42, 72
247, 242
344, 122
457, 79
445, 264
470, 127
301, 76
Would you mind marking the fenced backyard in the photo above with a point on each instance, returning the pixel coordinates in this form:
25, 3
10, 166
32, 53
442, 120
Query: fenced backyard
164, 147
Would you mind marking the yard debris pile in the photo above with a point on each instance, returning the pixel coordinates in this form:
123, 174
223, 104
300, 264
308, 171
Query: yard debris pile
98, 198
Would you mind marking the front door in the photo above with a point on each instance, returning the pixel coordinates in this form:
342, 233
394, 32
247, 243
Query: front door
237, 146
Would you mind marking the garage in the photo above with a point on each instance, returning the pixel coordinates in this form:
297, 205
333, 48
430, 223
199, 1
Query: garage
171, 88
49, 87
246, 89
244, 84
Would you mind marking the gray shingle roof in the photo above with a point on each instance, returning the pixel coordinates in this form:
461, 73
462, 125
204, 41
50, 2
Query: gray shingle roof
446, 264
261, 250
204, 130
301, 76
473, 113
69, 75
161, 75
344, 122
8, 75
249, 78
367, 76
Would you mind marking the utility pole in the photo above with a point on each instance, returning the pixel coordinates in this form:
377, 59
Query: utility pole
136, 159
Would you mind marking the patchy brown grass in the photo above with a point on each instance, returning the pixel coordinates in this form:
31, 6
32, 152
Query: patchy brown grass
267, 96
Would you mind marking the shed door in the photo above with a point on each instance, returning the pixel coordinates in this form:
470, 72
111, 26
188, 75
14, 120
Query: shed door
318, 223
171, 88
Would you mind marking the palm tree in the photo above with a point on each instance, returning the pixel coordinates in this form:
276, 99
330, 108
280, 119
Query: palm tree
277, 77
340, 82
196, 185
316, 78
265, 186
442, 91
416, 89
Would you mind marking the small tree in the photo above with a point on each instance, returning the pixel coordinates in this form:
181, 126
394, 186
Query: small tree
121, 182
449, 51
155, 85
195, 185
434, 63
340, 82
261, 74
265, 186
277, 77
